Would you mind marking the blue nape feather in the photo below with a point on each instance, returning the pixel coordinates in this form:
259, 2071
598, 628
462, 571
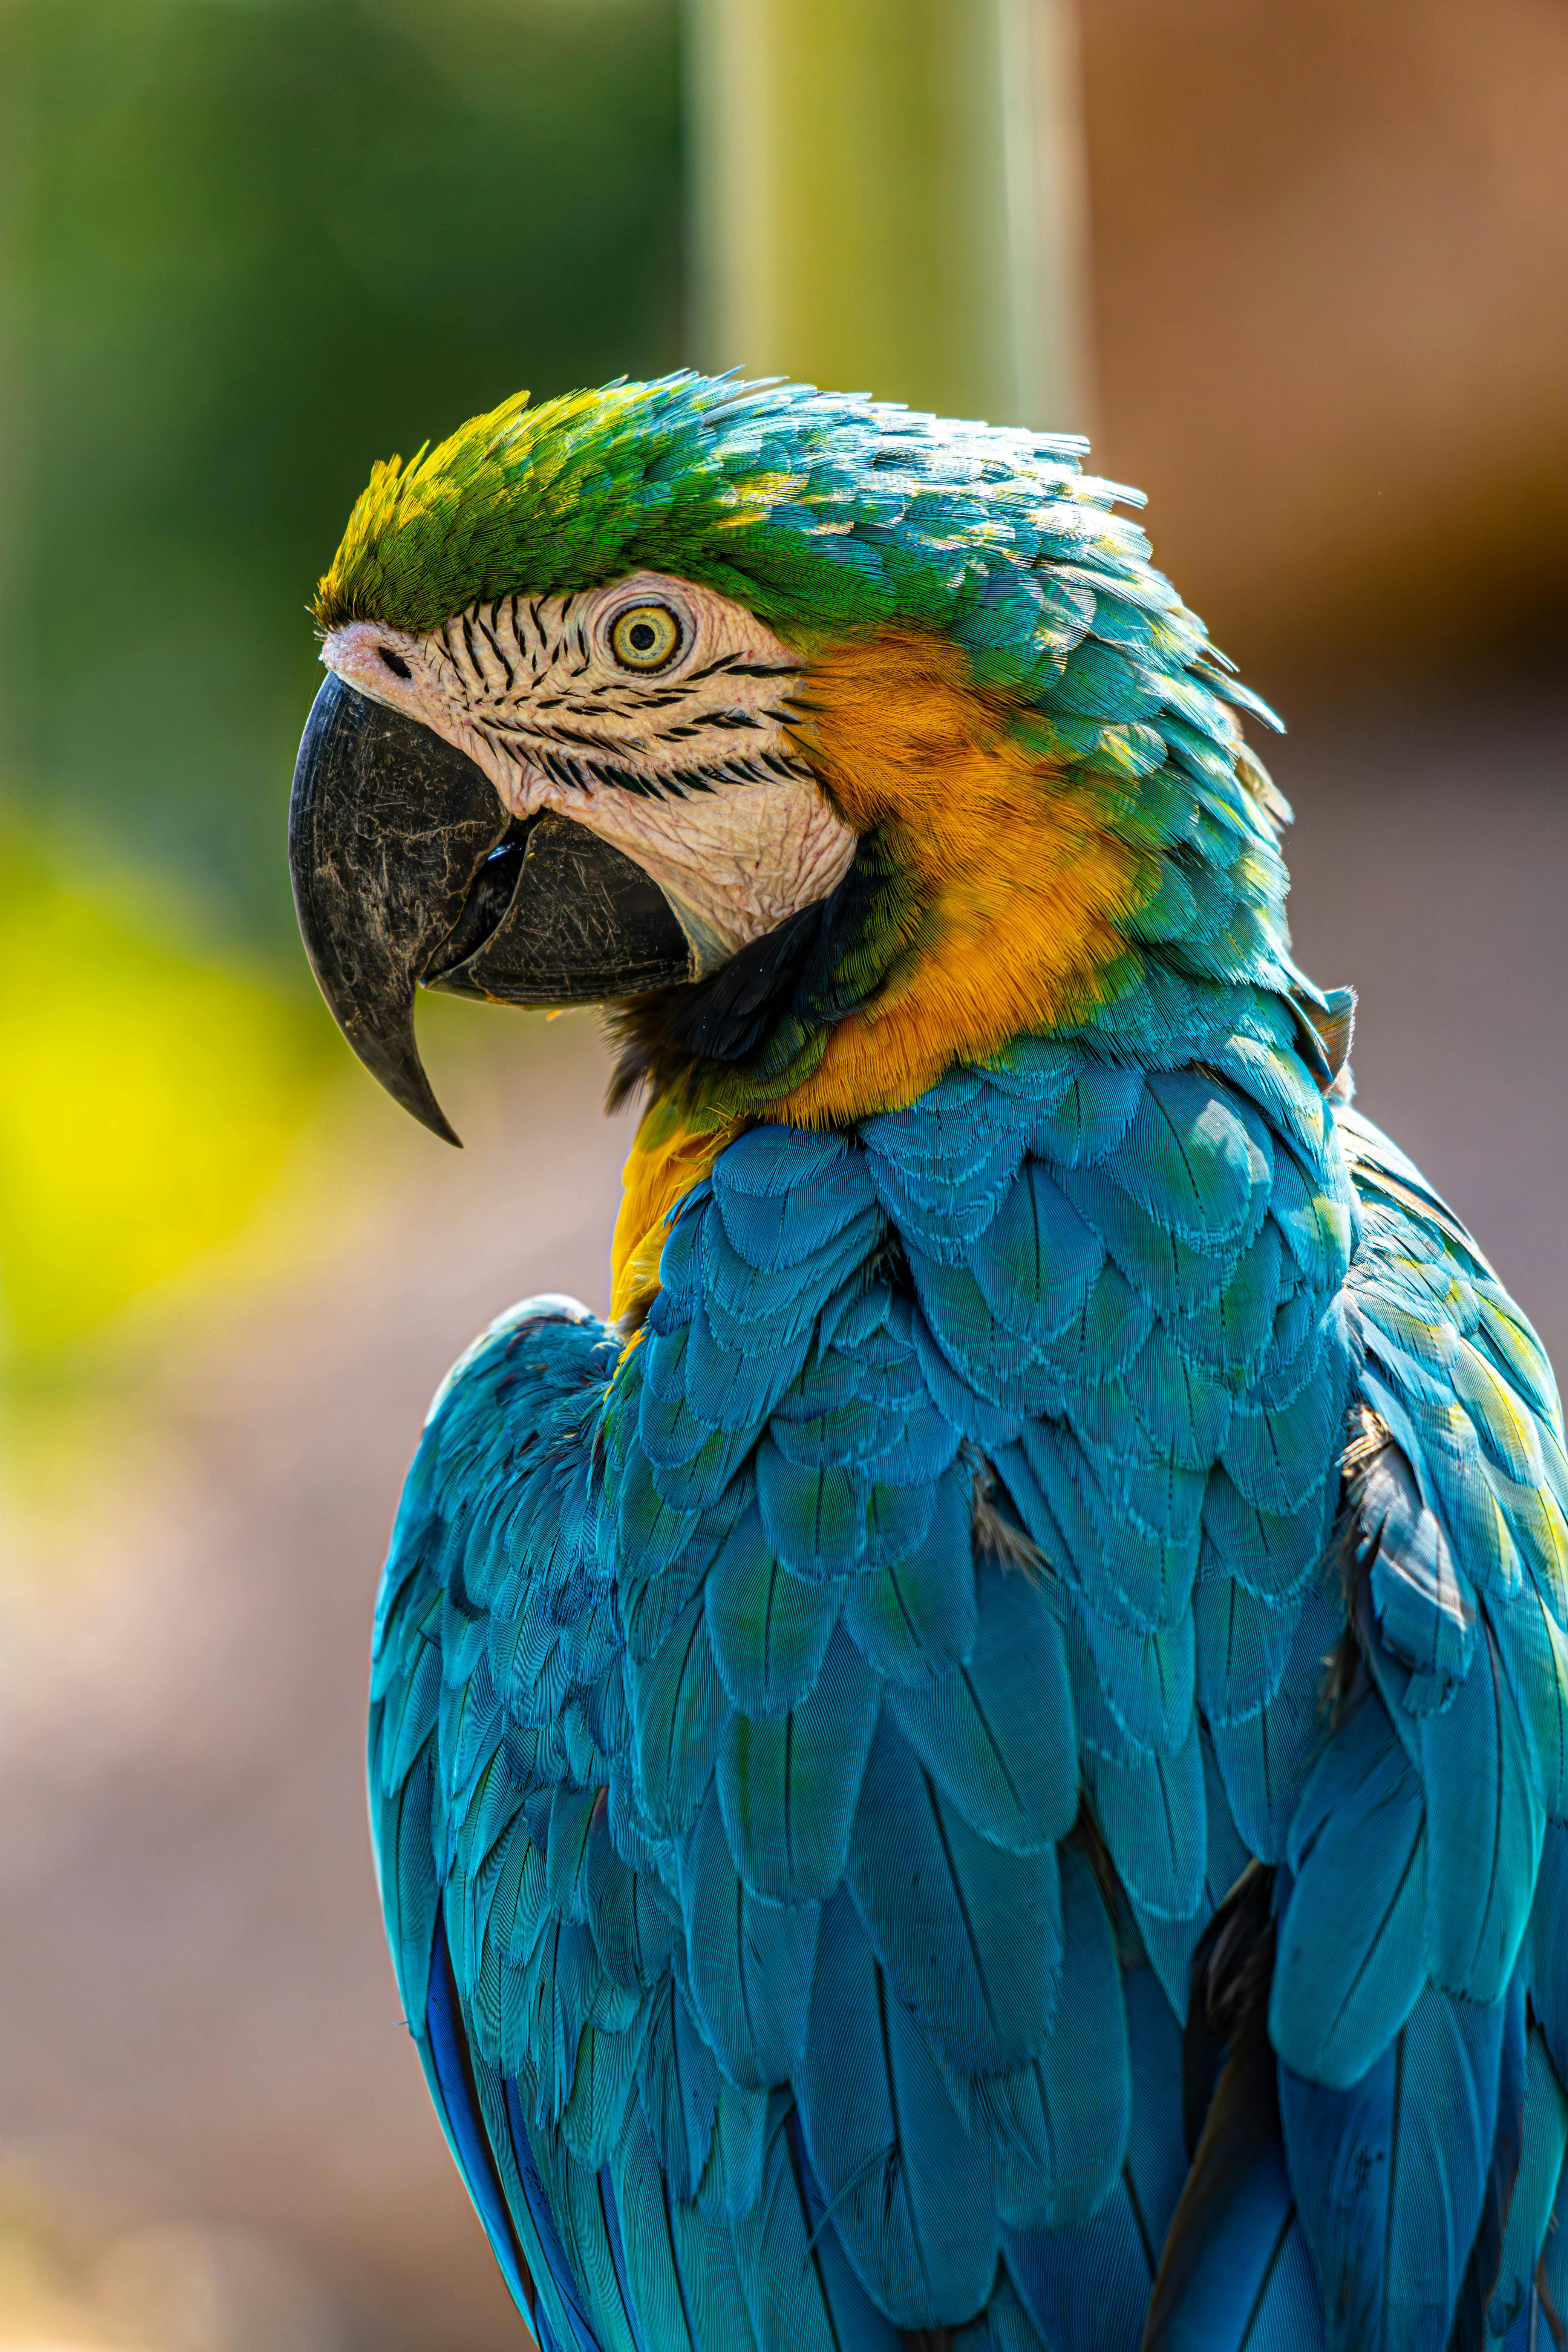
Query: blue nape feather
809, 1749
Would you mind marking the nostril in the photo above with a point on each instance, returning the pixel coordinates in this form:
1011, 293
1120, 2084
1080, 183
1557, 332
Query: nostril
395, 661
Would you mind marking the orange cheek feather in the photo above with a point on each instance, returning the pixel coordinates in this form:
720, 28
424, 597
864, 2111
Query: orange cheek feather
1022, 888
1020, 893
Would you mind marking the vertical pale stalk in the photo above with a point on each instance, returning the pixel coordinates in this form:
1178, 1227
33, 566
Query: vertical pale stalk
887, 195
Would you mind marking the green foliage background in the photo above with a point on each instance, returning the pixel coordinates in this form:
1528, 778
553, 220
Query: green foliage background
246, 246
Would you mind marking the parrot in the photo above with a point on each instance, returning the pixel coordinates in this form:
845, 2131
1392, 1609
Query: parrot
983, 1765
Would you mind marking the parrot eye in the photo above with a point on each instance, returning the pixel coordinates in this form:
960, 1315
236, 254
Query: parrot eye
395, 661
644, 637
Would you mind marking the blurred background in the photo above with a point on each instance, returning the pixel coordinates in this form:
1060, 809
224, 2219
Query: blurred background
1299, 272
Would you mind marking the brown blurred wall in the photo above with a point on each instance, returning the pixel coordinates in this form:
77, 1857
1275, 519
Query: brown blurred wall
1330, 311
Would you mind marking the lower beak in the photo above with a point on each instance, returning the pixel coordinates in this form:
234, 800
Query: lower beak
408, 871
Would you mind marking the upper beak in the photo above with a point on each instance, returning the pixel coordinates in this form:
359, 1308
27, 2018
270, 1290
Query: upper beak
408, 870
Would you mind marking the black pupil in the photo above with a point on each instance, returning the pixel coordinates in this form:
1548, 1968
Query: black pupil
395, 661
643, 636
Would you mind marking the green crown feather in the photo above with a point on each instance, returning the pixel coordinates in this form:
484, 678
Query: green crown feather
822, 512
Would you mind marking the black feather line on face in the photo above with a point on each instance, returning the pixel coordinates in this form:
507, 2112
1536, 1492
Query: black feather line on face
498, 649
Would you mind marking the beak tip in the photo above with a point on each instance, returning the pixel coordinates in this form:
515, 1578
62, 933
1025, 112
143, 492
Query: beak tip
412, 1091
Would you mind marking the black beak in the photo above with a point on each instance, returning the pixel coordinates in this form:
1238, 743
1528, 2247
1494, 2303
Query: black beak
408, 871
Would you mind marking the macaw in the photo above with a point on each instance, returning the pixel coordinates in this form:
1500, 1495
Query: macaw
985, 1765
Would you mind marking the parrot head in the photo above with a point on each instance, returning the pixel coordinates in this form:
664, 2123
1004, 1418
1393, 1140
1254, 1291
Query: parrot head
825, 742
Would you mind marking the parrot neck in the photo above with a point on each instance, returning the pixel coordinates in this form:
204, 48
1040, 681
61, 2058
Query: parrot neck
989, 896
996, 896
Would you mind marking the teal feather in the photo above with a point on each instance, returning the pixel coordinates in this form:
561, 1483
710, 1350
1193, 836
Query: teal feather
1553, 2269
815, 1431
888, 2142
583, 2206
1087, 2284
1085, 1120
750, 1961
969, 1937
1165, 1268
686, 2289
996, 1733
1154, 1816
813, 1512
1242, 1644
1485, 1830
1545, 2142
1352, 1945
677, 2083
747, 1307
1193, 1161
1098, 1347
594, 2116
768, 1630
681, 1713
801, 2293
917, 1618
1036, 1261
1004, 1368
1156, 2160
731, 2181
1231, 1335
1129, 1531
780, 1207
737, 1387
569, 1829
1488, 2247
944, 1215
911, 1454
1181, 1407
1234, 2274
1270, 1554
1391, 2175
788, 1784
633, 1921
1148, 1678
951, 1131
1548, 1946
1059, 2122
1274, 1453
1227, 1854
988, 1426
1265, 1758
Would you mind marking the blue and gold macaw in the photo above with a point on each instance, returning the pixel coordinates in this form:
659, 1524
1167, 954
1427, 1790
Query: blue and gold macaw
986, 1766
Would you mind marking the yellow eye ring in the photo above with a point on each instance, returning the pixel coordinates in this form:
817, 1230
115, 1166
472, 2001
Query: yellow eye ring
644, 637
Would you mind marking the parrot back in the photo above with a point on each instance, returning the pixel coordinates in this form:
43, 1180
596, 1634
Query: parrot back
930, 1799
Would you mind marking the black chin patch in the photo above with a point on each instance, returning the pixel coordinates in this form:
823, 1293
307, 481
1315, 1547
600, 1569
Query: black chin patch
722, 1018
728, 1018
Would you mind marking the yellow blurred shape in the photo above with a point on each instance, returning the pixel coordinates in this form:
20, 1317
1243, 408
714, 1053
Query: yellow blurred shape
30, 2342
150, 1089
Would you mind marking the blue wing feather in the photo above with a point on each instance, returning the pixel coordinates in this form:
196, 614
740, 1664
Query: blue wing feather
888, 2142
769, 1629
996, 1733
750, 1962
1391, 2174
969, 1936
788, 1785
1352, 1953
